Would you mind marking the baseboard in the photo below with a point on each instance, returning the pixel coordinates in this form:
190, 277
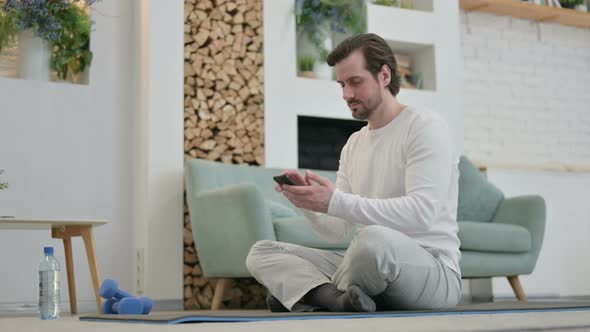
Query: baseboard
168, 305
84, 307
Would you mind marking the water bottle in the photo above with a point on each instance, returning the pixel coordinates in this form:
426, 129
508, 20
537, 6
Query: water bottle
49, 286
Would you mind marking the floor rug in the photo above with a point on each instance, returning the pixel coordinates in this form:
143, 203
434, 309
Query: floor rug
253, 316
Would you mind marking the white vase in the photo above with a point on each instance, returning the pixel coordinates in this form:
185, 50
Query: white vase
80, 78
34, 58
306, 47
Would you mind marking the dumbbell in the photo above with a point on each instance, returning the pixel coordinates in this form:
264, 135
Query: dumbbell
110, 289
108, 307
125, 306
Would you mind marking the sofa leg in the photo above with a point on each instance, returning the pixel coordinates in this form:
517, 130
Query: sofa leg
517, 288
220, 287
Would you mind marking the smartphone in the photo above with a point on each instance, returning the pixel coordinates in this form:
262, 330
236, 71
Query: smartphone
284, 179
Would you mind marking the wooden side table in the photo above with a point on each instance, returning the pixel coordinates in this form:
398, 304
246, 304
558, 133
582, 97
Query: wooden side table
65, 229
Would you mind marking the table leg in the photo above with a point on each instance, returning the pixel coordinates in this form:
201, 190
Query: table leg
70, 270
92, 261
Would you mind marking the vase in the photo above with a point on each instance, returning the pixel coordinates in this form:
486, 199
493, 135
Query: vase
34, 57
79, 78
304, 46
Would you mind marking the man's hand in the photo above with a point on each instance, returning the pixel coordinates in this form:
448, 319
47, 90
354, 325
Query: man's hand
314, 195
299, 180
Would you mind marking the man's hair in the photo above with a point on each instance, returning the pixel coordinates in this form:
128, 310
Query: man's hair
376, 52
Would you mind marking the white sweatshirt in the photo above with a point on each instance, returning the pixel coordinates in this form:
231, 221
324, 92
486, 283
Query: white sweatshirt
404, 176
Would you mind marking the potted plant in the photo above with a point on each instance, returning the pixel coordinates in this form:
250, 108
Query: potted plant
3, 185
388, 3
60, 26
306, 64
7, 30
318, 21
407, 4
571, 3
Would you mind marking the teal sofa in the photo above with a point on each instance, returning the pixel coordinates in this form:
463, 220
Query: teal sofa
233, 206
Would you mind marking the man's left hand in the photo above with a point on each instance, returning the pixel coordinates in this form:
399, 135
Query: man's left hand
315, 197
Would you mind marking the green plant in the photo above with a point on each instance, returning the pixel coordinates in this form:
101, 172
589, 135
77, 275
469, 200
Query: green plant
72, 50
65, 24
306, 62
389, 3
7, 30
318, 19
570, 3
3, 185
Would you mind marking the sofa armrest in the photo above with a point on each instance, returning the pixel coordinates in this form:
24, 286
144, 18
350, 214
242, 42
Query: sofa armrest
528, 212
226, 223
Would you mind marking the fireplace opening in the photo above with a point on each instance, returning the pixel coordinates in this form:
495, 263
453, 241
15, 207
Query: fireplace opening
320, 140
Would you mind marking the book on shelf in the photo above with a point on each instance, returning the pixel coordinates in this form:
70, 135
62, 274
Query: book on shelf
402, 60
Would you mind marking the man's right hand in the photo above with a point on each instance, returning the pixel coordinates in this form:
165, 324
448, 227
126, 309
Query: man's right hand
299, 179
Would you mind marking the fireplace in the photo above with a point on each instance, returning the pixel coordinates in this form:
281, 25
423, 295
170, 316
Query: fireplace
320, 140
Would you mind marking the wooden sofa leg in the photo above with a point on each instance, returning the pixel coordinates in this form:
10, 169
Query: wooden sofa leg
220, 287
517, 288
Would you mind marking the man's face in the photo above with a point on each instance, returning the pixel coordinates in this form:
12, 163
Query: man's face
360, 89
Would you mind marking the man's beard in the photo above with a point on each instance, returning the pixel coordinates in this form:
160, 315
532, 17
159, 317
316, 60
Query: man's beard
364, 109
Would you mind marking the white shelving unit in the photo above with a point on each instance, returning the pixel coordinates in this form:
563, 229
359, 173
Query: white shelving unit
429, 35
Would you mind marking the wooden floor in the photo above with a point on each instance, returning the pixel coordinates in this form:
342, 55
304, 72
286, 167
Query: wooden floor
548, 321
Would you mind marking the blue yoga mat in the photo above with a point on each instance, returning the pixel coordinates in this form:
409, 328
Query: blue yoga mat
254, 316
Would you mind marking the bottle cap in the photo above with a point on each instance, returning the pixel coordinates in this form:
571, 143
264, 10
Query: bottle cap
48, 250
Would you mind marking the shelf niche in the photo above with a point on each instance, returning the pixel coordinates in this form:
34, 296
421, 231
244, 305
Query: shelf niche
421, 58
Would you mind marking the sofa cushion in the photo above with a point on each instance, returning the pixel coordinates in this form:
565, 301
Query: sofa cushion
278, 210
478, 198
297, 230
494, 237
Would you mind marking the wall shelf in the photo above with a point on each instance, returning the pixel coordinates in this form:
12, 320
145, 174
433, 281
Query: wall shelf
529, 11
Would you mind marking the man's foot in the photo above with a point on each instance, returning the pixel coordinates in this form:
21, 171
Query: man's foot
360, 300
354, 299
275, 305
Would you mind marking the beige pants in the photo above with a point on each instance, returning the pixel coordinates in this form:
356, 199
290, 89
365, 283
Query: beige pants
388, 265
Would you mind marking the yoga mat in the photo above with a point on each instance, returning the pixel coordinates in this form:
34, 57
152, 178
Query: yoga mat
253, 316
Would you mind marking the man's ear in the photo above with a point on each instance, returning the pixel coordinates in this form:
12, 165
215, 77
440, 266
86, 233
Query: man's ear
386, 74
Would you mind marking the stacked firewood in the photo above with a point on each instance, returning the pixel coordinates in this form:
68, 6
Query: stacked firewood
224, 92
223, 114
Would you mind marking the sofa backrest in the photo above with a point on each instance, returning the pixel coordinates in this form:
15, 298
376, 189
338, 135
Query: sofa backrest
207, 175
478, 198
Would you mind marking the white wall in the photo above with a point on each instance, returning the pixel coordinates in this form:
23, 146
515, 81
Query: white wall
287, 96
527, 109
67, 152
160, 168
112, 150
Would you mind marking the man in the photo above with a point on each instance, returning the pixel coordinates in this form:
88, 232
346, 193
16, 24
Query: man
396, 187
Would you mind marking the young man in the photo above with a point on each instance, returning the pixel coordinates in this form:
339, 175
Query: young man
396, 187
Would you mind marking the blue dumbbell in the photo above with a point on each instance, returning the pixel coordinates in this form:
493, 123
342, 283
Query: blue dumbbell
147, 303
128, 306
110, 291
107, 306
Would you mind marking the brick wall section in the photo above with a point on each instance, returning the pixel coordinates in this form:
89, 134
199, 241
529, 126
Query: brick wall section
527, 93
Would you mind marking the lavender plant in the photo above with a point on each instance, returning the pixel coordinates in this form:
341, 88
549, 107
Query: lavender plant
65, 24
